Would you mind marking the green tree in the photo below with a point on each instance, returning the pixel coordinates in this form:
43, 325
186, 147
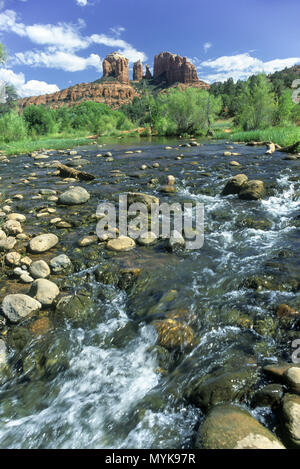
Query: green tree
39, 120
256, 106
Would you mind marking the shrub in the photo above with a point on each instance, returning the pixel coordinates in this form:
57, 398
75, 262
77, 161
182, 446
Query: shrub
12, 127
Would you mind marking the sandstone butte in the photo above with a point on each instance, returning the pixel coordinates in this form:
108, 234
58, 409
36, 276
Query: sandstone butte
115, 89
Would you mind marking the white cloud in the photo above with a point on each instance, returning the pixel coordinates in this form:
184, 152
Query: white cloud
58, 59
82, 3
207, 46
23, 88
61, 41
241, 66
124, 47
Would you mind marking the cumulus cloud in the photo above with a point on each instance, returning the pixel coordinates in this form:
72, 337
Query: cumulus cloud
23, 88
241, 66
82, 3
61, 41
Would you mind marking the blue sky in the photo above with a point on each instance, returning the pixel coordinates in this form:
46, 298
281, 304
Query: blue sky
55, 44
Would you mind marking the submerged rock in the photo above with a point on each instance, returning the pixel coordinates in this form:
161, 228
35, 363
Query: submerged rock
173, 334
252, 190
75, 308
222, 387
17, 307
231, 427
235, 184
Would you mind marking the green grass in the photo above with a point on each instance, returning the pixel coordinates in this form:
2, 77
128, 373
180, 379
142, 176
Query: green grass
283, 136
43, 143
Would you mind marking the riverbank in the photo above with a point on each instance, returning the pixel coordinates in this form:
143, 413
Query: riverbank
283, 136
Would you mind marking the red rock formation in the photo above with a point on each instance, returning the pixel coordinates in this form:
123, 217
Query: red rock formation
137, 71
116, 66
174, 69
148, 74
111, 94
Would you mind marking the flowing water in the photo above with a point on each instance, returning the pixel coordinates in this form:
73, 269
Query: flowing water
101, 383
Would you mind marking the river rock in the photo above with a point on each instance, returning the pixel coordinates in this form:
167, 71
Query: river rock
2, 235
75, 308
292, 379
252, 190
13, 259
3, 353
74, 196
17, 217
60, 263
291, 419
173, 334
271, 149
176, 241
222, 387
43, 243
146, 239
44, 291
235, 184
231, 427
39, 269
7, 244
123, 243
146, 199
12, 227
17, 307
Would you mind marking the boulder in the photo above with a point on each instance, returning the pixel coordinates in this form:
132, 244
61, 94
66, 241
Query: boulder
39, 269
290, 415
231, 427
252, 190
235, 184
74, 196
44, 291
222, 387
43, 243
19, 306
292, 379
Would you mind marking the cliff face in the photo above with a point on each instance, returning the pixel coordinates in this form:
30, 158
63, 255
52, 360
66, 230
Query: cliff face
116, 66
111, 94
137, 71
175, 69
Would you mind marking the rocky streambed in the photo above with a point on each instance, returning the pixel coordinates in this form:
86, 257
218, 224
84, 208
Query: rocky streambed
110, 343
